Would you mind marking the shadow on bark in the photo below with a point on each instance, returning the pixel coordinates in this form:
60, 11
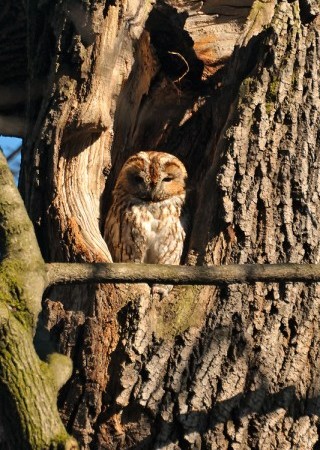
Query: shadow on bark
256, 403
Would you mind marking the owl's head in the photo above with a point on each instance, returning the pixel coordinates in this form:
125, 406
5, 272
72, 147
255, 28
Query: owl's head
152, 176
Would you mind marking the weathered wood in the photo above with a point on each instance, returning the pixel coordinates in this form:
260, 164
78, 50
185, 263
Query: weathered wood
94, 47
72, 273
227, 366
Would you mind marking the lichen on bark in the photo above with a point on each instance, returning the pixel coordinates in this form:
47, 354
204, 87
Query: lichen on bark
28, 387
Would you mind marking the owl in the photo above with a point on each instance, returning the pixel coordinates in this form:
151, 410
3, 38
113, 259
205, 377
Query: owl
147, 220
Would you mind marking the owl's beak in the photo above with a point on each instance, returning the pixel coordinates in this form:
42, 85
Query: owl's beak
149, 194
153, 190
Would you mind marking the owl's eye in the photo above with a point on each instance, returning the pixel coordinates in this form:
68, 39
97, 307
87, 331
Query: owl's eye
166, 179
138, 179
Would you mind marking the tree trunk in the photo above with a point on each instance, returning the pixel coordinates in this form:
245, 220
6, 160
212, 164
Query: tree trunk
233, 91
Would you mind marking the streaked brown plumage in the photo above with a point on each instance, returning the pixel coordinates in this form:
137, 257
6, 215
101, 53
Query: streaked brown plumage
146, 222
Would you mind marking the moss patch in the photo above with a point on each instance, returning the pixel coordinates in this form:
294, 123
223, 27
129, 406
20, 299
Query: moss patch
174, 316
12, 273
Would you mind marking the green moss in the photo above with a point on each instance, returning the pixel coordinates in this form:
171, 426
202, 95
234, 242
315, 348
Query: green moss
269, 108
272, 95
29, 386
12, 273
9, 280
259, 17
63, 442
176, 316
273, 89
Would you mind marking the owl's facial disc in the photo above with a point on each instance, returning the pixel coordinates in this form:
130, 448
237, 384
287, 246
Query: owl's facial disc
137, 183
138, 179
154, 179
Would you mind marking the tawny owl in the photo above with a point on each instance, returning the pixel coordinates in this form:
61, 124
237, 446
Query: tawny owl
147, 220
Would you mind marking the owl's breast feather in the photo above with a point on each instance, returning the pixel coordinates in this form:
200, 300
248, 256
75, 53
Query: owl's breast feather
158, 224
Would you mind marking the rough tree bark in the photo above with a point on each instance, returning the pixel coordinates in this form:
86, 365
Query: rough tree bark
29, 417
232, 88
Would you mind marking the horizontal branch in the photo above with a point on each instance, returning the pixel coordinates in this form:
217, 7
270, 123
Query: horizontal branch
65, 273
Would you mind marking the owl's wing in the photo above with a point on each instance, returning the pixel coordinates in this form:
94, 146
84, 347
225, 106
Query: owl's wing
118, 236
112, 234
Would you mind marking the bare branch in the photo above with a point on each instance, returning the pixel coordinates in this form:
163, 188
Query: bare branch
186, 63
65, 273
14, 153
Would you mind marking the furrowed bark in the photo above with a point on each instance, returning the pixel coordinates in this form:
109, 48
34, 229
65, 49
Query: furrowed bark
206, 367
94, 47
